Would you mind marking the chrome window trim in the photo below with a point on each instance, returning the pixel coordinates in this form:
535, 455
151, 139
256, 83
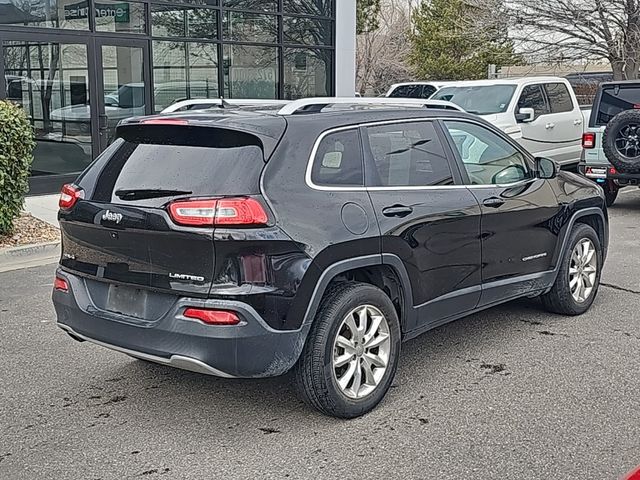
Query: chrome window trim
336, 188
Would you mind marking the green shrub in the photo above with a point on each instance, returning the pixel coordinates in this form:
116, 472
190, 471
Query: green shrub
16, 155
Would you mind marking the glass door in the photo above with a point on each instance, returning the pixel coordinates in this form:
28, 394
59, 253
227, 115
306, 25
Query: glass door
50, 77
124, 83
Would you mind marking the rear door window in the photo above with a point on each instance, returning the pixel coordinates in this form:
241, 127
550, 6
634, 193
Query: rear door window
532, 97
199, 160
407, 154
559, 97
616, 99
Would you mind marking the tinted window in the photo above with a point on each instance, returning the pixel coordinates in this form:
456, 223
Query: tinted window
338, 160
559, 98
615, 100
487, 158
480, 99
428, 90
203, 161
407, 91
407, 154
532, 97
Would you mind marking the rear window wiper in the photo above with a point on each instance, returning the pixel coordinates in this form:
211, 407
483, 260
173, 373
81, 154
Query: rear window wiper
140, 193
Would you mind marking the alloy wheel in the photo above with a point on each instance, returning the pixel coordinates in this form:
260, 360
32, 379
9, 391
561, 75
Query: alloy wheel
361, 351
628, 141
583, 269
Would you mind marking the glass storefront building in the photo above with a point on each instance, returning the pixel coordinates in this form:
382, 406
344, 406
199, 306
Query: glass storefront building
79, 66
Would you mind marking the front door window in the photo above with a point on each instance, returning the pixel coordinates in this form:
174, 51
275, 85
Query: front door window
487, 158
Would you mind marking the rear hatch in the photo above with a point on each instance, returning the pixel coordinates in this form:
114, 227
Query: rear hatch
121, 236
612, 99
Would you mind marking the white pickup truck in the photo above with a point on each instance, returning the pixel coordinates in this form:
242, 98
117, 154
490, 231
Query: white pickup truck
540, 113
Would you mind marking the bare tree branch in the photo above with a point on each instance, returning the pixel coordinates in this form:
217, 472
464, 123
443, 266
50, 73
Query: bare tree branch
580, 29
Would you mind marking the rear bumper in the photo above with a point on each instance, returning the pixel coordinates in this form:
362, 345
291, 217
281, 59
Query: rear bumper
625, 179
250, 349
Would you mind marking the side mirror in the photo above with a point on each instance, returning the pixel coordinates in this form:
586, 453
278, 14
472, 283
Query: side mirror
526, 115
546, 168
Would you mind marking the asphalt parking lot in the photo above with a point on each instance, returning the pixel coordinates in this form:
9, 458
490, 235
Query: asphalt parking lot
511, 393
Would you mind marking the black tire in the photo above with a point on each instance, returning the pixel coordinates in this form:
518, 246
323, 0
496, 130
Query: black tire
314, 372
560, 299
628, 164
610, 193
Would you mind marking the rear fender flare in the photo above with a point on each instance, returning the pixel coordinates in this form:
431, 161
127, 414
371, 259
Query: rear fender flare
571, 223
337, 268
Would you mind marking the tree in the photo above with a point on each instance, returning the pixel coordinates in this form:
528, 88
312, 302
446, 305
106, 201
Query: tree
582, 30
459, 39
381, 56
367, 16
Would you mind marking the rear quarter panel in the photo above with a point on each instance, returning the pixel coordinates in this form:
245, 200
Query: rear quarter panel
574, 194
315, 219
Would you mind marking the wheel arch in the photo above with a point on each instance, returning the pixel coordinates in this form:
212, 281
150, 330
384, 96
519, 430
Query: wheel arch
595, 218
386, 272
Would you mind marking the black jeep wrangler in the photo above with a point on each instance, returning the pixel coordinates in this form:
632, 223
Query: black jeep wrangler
318, 237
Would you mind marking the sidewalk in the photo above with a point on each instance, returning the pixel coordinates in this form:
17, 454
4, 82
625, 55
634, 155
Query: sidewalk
44, 207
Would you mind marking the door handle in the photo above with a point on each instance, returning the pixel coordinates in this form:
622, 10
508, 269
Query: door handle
493, 202
577, 122
549, 126
397, 211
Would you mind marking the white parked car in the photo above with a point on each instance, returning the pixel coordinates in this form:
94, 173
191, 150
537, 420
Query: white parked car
415, 89
540, 113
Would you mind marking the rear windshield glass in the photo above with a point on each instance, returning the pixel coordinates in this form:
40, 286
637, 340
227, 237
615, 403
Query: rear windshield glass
481, 99
615, 100
200, 161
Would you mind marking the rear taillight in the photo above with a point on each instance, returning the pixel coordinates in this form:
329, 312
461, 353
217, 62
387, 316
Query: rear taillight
588, 140
61, 285
240, 211
212, 317
224, 211
69, 195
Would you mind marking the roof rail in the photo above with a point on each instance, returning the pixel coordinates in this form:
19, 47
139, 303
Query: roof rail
205, 103
315, 105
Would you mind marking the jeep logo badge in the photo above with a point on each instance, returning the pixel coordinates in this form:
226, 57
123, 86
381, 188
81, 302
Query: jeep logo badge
112, 216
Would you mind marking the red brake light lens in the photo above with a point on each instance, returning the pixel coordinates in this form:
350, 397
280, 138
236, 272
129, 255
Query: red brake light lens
240, 211
225, 211
69, 195
212, 317
61, 285
613, 171
588, 140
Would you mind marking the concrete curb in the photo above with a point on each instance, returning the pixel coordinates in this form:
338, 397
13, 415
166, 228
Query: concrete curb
26, 256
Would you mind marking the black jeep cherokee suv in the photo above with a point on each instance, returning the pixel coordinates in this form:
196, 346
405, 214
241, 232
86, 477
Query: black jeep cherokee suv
245, 243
